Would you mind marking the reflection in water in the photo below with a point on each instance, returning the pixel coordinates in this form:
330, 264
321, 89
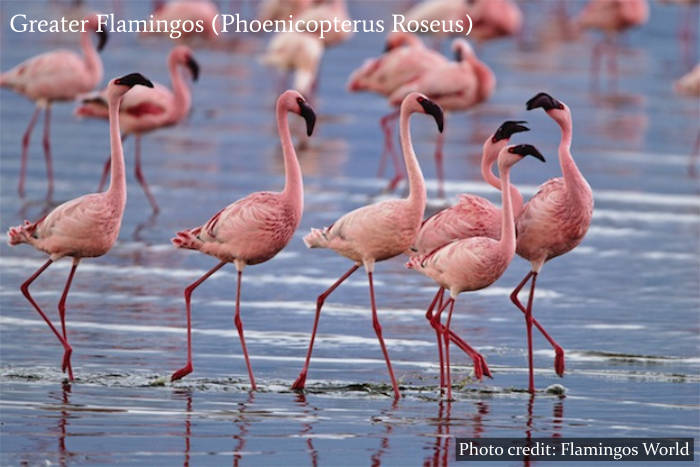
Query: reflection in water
440, 452
62, 453
307, 426
188, 423
243, 425
557, 419
384, 445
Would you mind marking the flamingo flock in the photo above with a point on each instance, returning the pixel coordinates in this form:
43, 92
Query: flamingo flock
463, 248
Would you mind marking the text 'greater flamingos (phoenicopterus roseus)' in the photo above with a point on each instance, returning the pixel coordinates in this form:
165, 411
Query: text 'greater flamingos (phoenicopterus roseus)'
60, 75
147, 109
85, 227
379, 231
473, 263
553, 222
253, 229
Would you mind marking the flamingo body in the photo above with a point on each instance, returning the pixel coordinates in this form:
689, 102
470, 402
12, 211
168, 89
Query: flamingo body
297, 52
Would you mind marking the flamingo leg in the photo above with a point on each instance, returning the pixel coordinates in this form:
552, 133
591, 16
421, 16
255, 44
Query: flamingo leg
105, 170
429, 317
25, 291
446, 336
301, 379
439, 165
25, 151
62, 313
239, 326
559, 362
139, 174
187, 369
47, 150
378, 331
387, 123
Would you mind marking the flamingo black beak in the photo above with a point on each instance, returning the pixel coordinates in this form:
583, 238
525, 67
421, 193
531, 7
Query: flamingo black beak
102, 40
133, 79
545, 101
435, 110
194, 67
527, 150
458, 55
307, 112
508, 129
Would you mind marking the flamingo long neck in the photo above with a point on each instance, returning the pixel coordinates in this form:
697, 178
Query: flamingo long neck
117, 182
488, 158
507, 241
180, 90
576, 185
93, 63
416, 185
294, 184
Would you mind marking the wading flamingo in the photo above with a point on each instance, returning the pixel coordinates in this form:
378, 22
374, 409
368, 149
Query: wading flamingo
379, 231
60, 75
455, 86
473, 263
253, 229
297, 52
553, 222
145, 110
472, 216
85, 227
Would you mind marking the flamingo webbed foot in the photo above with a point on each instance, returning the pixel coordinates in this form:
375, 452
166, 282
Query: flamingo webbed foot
182, 372
300, 382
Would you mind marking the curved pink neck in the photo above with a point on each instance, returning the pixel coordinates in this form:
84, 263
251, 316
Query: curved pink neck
117, 182
576, 185
488, 158
91, 57
416, 184
507, 241
180, 90
294, 184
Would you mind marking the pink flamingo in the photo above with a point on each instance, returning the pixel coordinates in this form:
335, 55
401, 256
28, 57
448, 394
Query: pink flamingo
472, 216
60, 75
493, 19
145, 110
297, 52
253, 229
328, 10
379, 231
477, 262
611, 17
455, 86
553, 222
85, 227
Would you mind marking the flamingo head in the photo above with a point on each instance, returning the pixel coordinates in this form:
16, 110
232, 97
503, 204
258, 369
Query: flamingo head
417, 102
296, 103
508, 129
556, 109
510, 155
462, 49
119, 86
399, 39
93, 24
182, 55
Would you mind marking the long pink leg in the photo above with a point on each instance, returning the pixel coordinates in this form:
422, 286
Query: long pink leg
187, 369
25, 152
559, 361
106, 168
378, 331
25, 291
239, 326
439, 166
47, 150
301, 379
429, 317
387, 123
446, 334
62, 314
139, 174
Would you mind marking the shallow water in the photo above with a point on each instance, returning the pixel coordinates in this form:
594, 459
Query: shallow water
624, 304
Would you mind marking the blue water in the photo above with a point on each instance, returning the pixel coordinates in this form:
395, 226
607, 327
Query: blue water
624, 304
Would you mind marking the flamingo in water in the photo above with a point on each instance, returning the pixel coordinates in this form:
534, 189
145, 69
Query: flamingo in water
253, 229
145, 110
477, 262
472, 216
60, 75
85, 227
379, 231
553, 222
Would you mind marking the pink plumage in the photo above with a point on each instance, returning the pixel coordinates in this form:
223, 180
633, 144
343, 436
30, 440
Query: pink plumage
60, 75
84, 227
253, 229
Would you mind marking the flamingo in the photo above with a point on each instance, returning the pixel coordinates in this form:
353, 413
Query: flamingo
455, 86
253, 229
60, 75
332, 10
611, 17
379, 231
553, 222
271, 10
85, 227
202, 11
493, 19
145, 110
474, 263
299, 52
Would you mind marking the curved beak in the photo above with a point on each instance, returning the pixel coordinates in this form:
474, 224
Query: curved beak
193, 66
309, 115
102, 40
435, 110
545, 101
508, 129
133, 79
527, 150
